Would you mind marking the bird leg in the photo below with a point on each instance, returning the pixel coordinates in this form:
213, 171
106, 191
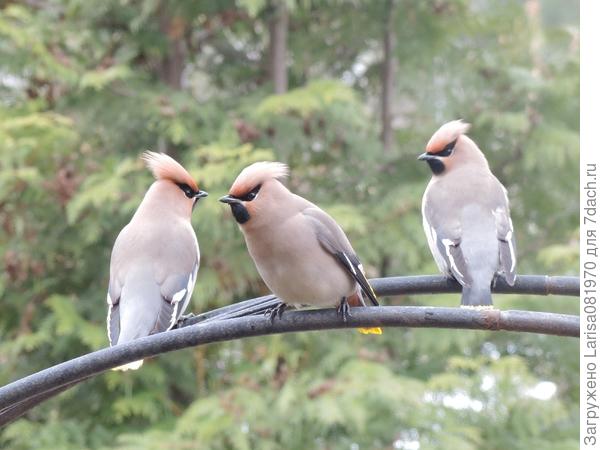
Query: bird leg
276, 311
344, 309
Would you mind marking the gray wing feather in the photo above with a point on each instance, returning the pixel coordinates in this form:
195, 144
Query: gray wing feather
455, 260
506, 242
444, 239
165, 317
333, 239
329, 233
149, 308
177, 290
113, 323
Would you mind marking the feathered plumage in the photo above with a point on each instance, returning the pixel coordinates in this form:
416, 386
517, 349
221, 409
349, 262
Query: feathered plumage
466, 216
446, 134
155, 258
301, 253
163, 167
258, 173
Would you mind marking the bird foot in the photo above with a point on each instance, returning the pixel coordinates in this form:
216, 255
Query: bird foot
344, 309
184, 319
276, 311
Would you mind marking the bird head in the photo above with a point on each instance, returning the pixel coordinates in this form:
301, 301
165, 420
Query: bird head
450, 147
256, 188
172, 174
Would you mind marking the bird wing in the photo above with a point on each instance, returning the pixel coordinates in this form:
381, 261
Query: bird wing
333, 239
506, 240
154, 307
444, 239
113, 296
177, 291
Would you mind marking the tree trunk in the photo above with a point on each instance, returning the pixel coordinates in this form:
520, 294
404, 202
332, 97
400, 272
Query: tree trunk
171, 66
387, 78
278, 29
536, 43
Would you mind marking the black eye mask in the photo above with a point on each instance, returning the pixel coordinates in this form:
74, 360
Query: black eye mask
433, 159
240, 213
436, 166
251, 195
187, 190
448, 149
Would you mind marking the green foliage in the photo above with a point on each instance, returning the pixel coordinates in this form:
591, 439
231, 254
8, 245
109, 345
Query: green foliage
84, 89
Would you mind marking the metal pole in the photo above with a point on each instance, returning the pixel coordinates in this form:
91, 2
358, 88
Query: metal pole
19, 396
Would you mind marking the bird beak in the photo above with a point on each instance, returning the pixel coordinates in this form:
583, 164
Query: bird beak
229, 199
200, 194
426, 157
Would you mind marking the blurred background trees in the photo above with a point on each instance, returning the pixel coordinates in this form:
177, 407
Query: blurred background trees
347, 93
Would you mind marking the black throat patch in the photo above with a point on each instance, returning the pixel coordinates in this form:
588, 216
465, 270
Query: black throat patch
240, 213
436, 166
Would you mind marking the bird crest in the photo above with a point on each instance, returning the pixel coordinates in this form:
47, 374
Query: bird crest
447, 133
163, 167
256, 174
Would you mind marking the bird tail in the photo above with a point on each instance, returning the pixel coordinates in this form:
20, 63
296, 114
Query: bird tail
370, 330
476, 297
135, 365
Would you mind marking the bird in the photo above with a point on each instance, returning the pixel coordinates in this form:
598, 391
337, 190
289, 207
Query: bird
155, 258
301, 253
466, 216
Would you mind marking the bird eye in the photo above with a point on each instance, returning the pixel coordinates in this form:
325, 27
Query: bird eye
448, 149
251, 195
188, 191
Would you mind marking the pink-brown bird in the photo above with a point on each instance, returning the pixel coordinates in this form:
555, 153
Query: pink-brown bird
299, 250
155, 258
466, 216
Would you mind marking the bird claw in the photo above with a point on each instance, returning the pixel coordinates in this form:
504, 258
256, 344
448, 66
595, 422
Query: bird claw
184, 319
344, 309
276, 311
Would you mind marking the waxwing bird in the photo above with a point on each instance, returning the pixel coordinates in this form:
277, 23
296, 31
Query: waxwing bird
466, 215
300, 252
155, 258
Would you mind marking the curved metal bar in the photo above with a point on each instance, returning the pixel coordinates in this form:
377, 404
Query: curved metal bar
17, 397
417, 284
436, 284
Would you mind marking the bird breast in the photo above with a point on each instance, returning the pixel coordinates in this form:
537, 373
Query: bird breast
169, 246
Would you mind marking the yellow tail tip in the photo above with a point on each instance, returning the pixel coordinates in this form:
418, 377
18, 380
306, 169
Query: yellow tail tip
135, 365
372, 330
